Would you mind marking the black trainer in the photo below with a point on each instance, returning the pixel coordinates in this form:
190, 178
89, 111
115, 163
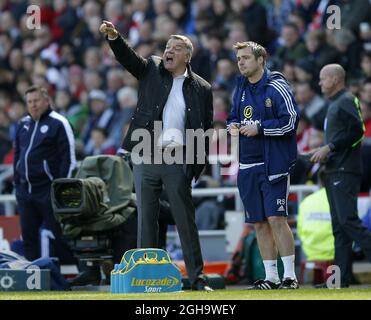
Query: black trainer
289, 283
201, 284
264, 285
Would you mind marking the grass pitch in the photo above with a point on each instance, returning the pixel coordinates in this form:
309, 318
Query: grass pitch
301, 294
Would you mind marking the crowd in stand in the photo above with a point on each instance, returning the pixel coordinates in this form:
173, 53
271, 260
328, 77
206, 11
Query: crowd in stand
69, 57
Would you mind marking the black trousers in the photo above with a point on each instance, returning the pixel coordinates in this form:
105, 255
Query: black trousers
35, 212
149, 180
342, 190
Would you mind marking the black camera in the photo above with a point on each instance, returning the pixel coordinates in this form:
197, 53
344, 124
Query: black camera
97, 213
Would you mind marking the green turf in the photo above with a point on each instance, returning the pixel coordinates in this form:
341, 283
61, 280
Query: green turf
301, 294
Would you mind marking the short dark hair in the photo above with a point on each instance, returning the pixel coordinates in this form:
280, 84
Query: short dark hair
291, 25
306, 83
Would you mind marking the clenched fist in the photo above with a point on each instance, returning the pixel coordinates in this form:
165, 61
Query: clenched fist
109, 29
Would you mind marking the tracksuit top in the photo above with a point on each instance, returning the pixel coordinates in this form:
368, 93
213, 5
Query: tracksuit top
270, 104
44, 150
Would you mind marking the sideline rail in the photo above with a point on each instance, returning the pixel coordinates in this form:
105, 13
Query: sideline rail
9, 200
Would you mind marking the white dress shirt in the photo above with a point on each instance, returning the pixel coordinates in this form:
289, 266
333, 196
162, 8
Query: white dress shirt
173, 117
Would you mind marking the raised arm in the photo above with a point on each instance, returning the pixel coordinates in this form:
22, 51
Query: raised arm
124, 54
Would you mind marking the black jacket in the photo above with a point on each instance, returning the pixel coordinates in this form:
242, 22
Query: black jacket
344, 131
155, 83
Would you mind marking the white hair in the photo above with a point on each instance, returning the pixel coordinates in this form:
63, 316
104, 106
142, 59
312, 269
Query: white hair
128, 93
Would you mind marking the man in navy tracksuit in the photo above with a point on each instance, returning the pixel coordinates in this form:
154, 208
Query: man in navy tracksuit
265, 116
44, 151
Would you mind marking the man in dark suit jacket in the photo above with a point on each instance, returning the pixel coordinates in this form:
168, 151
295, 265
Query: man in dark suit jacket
169, 92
